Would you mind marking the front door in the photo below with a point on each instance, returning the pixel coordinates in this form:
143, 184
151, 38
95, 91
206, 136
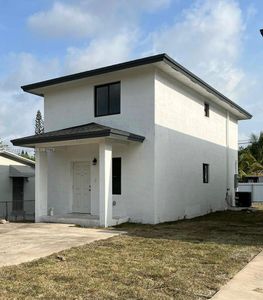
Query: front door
81, 187
18, 193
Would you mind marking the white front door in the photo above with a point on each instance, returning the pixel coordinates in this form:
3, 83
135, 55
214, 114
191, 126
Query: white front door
81, 187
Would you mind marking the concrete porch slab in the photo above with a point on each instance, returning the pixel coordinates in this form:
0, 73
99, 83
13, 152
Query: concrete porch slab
84, 220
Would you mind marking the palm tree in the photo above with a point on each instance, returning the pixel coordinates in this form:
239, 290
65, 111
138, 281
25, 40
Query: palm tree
250, 159
256, 147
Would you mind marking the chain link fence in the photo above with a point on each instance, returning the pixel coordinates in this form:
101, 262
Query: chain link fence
17, 210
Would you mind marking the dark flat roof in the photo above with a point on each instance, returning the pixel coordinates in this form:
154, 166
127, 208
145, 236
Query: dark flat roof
17, 158
130, 64
21, 171
91, 130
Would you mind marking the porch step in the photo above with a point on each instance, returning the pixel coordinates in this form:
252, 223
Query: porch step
85, 222
119, 220
81, 220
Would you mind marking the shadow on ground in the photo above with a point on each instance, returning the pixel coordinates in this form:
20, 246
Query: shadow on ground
227, 227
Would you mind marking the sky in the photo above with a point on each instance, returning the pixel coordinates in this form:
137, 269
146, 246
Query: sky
218, 40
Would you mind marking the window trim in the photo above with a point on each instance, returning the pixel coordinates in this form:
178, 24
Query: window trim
95, 99
207, 109
119, 157
206, 178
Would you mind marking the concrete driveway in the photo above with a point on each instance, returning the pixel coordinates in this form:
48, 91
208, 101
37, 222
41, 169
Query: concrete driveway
22, 242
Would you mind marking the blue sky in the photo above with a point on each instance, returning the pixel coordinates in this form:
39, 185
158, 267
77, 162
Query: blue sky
218, 40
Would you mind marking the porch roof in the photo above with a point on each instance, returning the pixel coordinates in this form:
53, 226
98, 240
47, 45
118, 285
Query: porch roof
91, 130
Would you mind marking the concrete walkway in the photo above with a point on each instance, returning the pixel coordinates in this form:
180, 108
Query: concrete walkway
22, 242
247, 284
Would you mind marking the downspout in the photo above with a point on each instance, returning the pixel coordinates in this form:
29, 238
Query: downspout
229, 197
227, 151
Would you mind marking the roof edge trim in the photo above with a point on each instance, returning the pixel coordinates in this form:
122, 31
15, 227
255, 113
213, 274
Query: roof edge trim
176, 66
135, 63
94, 72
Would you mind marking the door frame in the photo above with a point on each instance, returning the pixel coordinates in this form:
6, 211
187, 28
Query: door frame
72, 182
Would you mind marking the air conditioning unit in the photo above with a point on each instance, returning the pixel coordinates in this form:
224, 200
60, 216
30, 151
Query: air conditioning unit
243, 199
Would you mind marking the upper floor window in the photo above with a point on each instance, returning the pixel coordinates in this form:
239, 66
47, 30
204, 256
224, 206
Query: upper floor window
107, 99
205, 173
206, 109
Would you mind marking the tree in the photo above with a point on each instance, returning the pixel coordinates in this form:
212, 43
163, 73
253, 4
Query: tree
256, 147
3, 146
250, 158
26, 155
39, 123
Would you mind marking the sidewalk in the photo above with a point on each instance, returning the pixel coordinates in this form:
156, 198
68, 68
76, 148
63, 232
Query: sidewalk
246, 285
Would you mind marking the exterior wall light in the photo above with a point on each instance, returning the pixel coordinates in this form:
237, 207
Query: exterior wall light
94, 162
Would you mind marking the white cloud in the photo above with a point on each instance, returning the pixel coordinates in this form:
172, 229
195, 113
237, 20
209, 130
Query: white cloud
83, 18
24, 68
208, 40
100, 52
18, 109
64, 20
109, 30
17, 113
251, 12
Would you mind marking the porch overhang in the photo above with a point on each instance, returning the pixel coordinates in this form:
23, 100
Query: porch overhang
81, 132
21, 171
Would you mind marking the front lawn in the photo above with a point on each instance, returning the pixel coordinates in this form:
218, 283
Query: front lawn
185, 260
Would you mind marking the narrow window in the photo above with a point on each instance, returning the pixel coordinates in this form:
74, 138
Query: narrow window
206, 108
107, 99
116, 176
205, 173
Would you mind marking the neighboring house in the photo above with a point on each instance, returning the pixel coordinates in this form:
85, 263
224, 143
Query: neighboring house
17, 186
253, 178
145, 141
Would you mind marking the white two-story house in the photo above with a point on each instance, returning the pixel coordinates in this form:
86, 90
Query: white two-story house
141, 141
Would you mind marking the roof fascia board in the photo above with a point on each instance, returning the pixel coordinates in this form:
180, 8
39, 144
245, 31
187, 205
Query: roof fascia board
98, 134
195, 79
32, 88
117, 67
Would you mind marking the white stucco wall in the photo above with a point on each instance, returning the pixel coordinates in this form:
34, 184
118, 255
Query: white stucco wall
184, 140
162, 177
134, 189
74, 105
60, 176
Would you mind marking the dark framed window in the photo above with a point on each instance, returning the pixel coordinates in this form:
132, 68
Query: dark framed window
206, 109
108, 99
205, 173
116, 176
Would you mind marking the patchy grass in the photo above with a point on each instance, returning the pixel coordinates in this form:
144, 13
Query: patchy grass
185, 260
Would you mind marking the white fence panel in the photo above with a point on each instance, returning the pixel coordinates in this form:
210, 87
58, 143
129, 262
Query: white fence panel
255, 188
